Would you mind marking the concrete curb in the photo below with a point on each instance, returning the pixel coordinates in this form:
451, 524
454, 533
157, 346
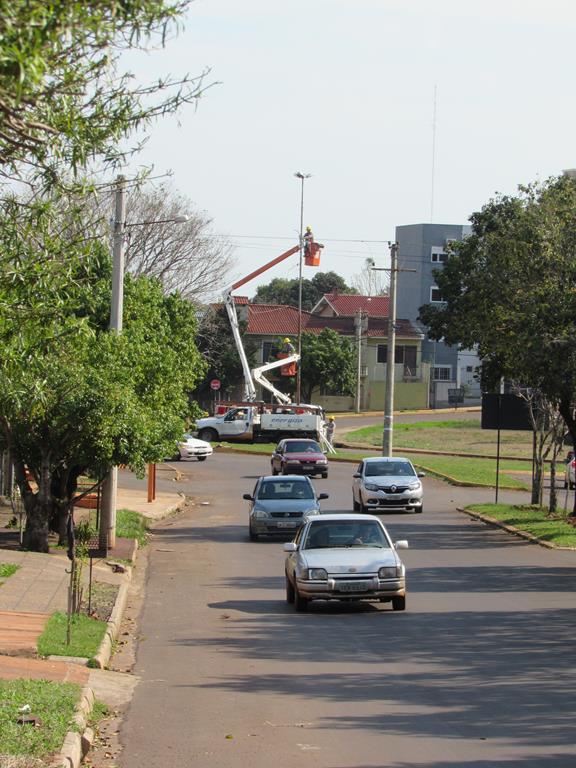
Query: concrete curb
512, 529
78, 743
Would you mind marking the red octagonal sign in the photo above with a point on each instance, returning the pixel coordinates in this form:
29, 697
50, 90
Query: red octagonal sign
215, 384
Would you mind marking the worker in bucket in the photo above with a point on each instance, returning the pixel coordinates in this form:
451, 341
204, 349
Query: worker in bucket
287, 347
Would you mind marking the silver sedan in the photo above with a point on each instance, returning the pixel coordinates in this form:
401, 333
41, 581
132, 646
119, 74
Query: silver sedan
344, 557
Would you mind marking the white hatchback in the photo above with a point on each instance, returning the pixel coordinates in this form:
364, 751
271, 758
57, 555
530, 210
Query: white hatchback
192, 448
387, 483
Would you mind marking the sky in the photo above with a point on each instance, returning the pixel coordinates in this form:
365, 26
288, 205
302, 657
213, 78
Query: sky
402, 111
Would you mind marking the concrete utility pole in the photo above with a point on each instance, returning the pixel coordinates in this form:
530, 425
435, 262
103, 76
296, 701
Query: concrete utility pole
391, 351
302, 177
107, 533
390, 356
360, 328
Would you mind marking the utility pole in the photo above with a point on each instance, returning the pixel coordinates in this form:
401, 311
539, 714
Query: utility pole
359, 322
302, 177
107, 533
391, 350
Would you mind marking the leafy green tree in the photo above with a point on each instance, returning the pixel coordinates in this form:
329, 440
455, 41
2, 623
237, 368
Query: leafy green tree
284, 291
510, 288
328, 362
65, 98
74, 398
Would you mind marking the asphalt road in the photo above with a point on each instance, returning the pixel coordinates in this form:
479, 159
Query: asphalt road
479, 670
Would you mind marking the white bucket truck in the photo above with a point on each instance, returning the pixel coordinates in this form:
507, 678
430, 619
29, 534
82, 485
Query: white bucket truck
254, 421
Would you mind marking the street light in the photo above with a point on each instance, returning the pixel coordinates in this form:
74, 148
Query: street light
107, 532
302, 177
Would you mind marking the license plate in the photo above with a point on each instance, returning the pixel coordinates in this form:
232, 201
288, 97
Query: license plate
354, 586
286, 525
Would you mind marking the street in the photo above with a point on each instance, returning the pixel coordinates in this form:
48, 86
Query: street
479, 670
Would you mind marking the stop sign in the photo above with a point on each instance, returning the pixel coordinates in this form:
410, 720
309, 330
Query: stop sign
215, 384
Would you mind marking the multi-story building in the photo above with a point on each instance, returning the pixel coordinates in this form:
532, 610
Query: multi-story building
421, 248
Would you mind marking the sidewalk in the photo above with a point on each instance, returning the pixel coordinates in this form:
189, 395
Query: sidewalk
40, 587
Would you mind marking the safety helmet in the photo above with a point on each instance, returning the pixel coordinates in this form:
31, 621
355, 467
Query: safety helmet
331, 418
286, 340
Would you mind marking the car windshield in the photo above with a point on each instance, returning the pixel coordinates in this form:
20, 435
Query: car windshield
388, 468
302, 446
323, 534
285, 489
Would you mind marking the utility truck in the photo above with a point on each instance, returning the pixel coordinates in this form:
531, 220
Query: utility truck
251, 422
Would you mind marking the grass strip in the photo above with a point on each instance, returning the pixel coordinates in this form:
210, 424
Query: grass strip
7, 569
53, 703
85, 636
132, 525
534, 520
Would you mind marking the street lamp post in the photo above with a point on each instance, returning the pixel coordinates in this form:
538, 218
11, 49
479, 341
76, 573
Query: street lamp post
107, 532
302, 177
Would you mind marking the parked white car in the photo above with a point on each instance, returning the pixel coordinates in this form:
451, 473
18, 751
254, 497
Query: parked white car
387, 483
192, 448
344, 557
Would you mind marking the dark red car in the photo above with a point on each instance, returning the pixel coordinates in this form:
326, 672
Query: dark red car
295, 456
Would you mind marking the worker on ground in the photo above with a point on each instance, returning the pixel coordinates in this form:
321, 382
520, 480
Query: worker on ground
330, 427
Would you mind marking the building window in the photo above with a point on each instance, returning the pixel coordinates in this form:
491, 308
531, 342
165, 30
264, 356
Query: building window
438, 255
435, 295
442, 373
270, 350
402, 354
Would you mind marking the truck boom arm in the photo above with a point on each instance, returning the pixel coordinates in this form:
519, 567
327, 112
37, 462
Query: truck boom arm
257, 375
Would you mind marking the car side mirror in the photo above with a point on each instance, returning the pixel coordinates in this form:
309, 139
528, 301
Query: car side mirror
323, 496
356, 474
289, 546
402, 544
421, 474
247, 496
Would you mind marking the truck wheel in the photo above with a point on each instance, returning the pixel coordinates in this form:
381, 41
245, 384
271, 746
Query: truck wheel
208, 434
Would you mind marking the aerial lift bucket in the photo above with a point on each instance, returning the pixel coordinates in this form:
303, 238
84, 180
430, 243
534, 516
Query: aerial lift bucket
287, 370
312, 254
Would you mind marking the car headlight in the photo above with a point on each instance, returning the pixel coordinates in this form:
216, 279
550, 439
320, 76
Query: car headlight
390, 572
260, 514
415, 486
317, 574
322, 461
370, 487
312, 511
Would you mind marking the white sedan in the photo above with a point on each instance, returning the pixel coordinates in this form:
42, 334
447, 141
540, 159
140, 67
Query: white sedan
192, 448
344, 557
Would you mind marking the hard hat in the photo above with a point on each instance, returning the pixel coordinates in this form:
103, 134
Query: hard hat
286, 340
331, 418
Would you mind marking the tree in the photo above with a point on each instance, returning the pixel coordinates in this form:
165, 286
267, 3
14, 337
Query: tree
328, 362
75, 398
510, 288
370, 282
217, 344
284, 291
186, 256
64, 97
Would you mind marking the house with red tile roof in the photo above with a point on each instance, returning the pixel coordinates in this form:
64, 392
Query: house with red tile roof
268, 324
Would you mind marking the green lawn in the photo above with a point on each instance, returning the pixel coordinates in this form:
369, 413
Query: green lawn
132, 525
464, 436
6, 570
533, 520
53, 703
85, 637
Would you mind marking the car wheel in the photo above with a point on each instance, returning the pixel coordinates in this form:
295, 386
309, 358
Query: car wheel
565, 484
419, 509
399, 603
324, 475
208, 434
274, 471
176, 457
201, 458
355, 505
364, 510
300, 603
572, 486
290, 595
253, 536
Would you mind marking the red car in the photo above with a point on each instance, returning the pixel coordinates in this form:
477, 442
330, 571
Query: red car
295, 456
